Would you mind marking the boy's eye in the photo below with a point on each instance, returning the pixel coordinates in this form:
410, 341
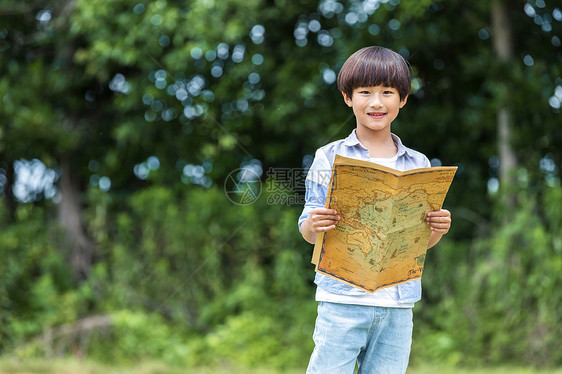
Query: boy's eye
364, 92
388, 92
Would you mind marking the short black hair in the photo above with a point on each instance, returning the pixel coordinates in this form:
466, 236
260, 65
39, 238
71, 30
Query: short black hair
375, 66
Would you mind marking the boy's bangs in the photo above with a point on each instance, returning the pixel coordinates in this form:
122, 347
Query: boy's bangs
370, 73
375, 66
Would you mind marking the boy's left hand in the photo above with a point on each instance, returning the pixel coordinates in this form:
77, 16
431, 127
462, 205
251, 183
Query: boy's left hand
439, 221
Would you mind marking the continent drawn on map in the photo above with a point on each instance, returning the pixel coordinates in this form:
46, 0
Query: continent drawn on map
382, 237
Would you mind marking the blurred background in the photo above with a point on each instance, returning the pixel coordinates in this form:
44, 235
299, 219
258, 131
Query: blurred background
152, 155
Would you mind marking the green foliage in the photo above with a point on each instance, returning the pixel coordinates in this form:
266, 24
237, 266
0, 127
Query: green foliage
136, 336
191, 278
175, 291
182, 275
503, 304
34, 289
253, 340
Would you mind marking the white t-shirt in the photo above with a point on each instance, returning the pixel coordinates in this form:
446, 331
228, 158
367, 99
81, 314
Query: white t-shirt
386, 297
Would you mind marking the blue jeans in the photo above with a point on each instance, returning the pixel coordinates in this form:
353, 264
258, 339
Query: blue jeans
378, 339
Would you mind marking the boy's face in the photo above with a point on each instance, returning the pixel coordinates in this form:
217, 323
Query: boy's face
375, 107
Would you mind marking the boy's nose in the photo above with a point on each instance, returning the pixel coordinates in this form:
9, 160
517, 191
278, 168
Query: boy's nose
375, 101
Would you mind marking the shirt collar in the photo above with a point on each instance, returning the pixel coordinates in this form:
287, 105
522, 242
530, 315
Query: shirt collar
352, 141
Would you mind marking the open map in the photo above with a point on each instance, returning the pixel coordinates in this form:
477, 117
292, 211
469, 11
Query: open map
382, 237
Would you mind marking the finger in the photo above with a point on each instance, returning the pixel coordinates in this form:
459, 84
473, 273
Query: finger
439, 231
439, 220
440, 226
437, 215
325, 228
325, 211
441, 212
323, 217
327, 222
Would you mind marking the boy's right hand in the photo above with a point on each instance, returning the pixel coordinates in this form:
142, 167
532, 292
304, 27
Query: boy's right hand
323, 219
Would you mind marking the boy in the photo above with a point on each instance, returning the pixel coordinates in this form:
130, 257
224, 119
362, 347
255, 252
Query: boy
353, 326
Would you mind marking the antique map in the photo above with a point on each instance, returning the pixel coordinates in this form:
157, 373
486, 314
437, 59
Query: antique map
382, 237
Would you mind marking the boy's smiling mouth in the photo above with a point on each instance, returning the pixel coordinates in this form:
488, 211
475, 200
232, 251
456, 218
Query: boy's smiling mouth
376, 114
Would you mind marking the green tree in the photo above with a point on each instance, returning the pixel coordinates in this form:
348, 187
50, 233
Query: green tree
143, 109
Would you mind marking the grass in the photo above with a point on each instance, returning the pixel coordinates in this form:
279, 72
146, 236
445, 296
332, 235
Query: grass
66, 366
491, 370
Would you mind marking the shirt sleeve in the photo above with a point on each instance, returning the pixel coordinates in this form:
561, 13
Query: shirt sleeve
316, 183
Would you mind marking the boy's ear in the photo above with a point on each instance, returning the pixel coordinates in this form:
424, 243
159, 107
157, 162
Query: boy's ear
403, 101
347, 99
